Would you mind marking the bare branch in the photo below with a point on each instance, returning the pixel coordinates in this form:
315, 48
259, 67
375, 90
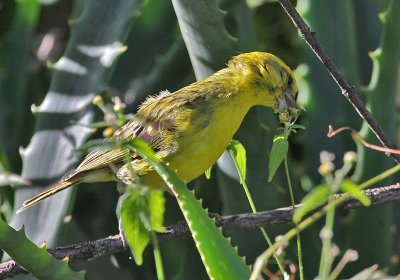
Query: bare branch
347, 90
112, 244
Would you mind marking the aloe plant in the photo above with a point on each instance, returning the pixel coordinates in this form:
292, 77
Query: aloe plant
35, 259
64, 117
381, 94
13, 89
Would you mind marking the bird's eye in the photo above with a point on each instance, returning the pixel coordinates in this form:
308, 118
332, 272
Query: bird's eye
290, 81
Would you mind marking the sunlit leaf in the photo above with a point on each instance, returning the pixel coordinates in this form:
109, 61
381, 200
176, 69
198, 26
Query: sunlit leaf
156, 202
318, 196
278, 153
135, 221
208, 173
238, 153
353, 190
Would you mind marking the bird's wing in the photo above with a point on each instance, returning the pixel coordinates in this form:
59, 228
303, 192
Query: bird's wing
105, 158
157, 123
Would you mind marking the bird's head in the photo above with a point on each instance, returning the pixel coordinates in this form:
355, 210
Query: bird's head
268, 78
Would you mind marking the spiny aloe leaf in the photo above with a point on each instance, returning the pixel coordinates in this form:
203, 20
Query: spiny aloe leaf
15, 98
202, 26
34, 259
10, 179
96, 40
219, 257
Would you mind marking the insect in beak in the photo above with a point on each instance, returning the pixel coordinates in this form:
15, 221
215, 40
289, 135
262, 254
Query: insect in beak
286, 101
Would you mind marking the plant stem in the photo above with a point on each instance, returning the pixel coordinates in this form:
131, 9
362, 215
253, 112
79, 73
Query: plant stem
264, 232
327, 232
157, 257
326, 236
299, 251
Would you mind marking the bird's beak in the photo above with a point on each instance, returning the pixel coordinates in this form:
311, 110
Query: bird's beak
286, 101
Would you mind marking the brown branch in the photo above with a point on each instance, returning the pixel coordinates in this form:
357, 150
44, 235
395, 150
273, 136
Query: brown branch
355, 134
347, 90
93, 249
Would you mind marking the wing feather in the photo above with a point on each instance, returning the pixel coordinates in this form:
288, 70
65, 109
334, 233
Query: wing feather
156, 123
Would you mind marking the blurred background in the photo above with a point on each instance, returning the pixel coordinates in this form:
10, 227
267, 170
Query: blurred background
45, 108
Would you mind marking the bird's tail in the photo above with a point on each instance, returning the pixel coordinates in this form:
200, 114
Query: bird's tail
55, 188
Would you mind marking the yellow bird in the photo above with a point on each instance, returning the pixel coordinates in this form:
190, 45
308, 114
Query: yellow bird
189, 129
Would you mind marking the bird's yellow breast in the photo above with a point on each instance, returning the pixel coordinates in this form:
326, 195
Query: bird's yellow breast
200, 148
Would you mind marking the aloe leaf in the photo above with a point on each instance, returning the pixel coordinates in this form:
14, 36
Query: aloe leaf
220, 259
14, 98
11, 179
208, 42
96, 41
381, 95
34, 259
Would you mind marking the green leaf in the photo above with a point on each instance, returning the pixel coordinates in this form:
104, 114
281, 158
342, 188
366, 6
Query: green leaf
135, 221
34, 259
4, 164
141, 211
238, 153
219, 257
278, 153
318, 196
297, 126
208, 173
353, 190
157, 208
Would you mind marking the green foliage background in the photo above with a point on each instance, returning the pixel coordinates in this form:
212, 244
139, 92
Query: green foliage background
34, 33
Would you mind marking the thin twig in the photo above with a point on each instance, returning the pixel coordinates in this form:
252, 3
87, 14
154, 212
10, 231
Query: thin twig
347, 90
113, 244
355, 134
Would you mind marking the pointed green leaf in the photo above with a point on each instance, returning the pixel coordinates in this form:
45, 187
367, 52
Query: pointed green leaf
238, 154
135, 221
208, 173
353, 190
297, 126
318, 196
278, 153
157, 207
